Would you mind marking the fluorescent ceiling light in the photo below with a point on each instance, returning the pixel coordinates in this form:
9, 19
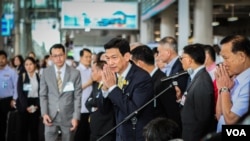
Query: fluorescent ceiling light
215, 23
232, 19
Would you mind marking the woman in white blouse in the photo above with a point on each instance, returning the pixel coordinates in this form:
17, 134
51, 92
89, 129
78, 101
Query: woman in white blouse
28, 102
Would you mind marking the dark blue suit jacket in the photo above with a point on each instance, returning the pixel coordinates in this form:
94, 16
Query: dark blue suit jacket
127, 100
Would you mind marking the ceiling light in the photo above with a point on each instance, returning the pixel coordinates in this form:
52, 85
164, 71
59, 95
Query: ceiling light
215, 23
232, 18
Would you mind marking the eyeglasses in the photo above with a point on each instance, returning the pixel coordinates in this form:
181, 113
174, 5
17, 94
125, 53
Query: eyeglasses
182, 57
59, 55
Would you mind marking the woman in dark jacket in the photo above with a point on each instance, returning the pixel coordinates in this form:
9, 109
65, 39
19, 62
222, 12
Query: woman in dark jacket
28, 102
18, 63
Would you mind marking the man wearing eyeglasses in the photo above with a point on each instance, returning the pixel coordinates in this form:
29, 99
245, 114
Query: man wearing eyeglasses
60, 96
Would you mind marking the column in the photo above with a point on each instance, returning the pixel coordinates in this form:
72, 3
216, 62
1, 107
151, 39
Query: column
26, 35
133, 38
167, 26
183, 24
146, 31
17, 27
203, 30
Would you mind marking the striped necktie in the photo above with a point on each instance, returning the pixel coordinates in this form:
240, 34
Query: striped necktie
59, 81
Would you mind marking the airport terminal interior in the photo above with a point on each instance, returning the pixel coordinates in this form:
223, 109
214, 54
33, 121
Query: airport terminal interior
34, 25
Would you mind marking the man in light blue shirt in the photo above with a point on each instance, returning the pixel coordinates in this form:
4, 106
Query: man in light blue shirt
83, 129
233, 79
8, 91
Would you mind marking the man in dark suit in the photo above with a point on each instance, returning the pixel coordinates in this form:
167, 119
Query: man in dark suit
100, 121
127, 94
60, 96
165, 105
168, 53
197, 114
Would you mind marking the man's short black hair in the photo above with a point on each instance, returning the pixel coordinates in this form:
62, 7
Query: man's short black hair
119, 43
57, 46
143, 53
2, 52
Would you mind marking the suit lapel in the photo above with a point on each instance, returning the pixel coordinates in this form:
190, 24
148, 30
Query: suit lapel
66, 76
129, 76
53, 74
195, 77
177, 67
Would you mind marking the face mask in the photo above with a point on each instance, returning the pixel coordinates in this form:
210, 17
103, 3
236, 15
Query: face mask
50, 63
69, 62
190, 71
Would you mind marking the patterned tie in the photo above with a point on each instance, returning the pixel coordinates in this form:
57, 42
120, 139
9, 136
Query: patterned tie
120, 82
59, 81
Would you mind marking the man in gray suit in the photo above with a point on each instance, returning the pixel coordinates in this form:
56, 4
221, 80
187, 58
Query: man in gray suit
60, 96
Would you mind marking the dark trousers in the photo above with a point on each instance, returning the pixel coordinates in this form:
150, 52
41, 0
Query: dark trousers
83, 130
28, 123
4, 109
28, 126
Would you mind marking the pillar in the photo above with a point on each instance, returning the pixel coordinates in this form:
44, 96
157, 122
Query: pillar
167, 26
203, 30
147, 31
17, 28
183, 24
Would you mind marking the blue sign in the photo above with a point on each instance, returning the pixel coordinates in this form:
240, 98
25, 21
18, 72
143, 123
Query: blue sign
7, 23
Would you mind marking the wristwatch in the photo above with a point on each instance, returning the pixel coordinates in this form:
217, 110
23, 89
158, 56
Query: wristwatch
224, 89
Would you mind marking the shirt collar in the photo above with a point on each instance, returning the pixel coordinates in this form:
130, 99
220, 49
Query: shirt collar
62, 69
6, 67
171, 63
242, 77
153, 71
125, 73
83, 66
196, 71
211, 67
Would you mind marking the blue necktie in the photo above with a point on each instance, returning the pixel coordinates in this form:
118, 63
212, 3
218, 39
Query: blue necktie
188, 82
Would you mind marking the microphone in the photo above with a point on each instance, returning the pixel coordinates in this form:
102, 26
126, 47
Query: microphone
174, 76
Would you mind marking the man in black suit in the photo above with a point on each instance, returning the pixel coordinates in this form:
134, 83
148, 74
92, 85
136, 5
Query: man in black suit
100, 121
129, 93
165, 105
168, 53
197, 113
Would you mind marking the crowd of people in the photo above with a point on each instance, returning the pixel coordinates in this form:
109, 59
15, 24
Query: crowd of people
128, 92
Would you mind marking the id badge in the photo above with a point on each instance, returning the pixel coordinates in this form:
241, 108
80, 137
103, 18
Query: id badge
4, 85
183, 99
27, 87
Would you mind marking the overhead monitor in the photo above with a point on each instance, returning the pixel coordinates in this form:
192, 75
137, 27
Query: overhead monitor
7, 23
99, 15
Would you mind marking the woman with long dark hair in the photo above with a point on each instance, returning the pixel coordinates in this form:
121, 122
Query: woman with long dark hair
28, 102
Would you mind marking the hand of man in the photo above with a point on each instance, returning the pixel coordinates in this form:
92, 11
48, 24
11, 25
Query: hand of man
46, 120
178, 93
108, 77
74, 123
222, 77
13, 103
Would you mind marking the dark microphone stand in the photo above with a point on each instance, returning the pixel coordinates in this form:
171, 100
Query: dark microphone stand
134, 113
